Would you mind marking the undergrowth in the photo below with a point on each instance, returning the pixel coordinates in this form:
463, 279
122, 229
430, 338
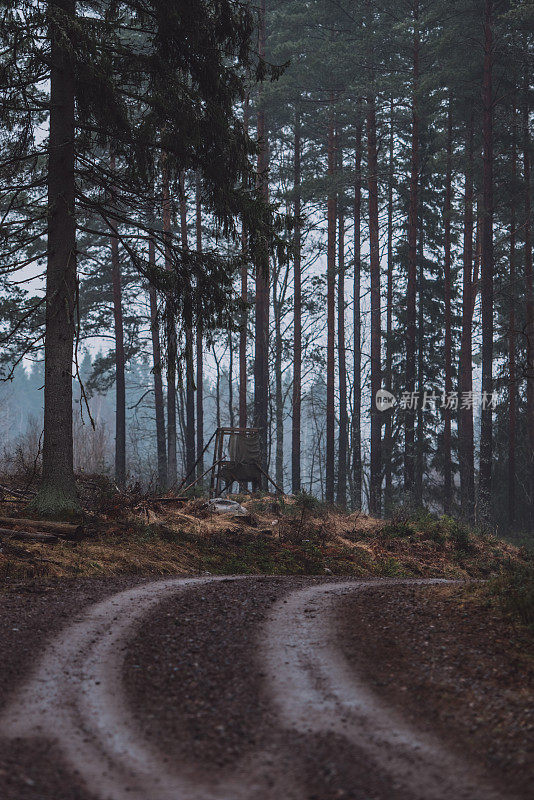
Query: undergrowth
133, 533
514, 591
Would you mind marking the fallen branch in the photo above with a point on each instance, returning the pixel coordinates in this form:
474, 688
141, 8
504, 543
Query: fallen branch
34, 536
67, 529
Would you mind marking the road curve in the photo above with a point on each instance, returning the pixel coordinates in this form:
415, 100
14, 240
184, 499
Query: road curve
76, 699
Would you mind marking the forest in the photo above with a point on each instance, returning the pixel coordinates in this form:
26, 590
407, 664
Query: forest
266, 400
313, 218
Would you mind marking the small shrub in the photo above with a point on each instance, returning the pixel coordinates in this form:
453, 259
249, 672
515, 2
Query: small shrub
307, 502
514, 590
390, 568
458, 532
398, 529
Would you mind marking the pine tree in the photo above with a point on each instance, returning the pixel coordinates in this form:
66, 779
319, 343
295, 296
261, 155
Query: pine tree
486, 284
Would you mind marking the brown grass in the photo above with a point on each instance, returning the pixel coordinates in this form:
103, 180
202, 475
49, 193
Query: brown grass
138, 535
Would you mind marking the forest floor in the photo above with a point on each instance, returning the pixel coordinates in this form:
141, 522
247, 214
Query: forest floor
132, 533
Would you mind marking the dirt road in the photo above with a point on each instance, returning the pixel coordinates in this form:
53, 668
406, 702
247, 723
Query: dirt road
213, 689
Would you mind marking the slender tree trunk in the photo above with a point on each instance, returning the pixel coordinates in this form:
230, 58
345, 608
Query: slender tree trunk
180, 406
189, 366
447, 444
343, 415
217, 388
388, 431
330, 301
172, 346
374, 246
243, 351
231, 381
120, 381
261, 345
465, 417
297, 317
411, 323
158, 382
529, 307
57, 492
512, 391
278, 396
357, 378
420, 438
199, 343
486, 429
244, 320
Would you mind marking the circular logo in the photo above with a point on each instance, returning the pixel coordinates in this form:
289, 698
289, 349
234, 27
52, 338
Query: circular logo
384, 400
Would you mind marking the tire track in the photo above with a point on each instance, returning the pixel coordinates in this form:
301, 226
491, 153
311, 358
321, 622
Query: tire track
76, 699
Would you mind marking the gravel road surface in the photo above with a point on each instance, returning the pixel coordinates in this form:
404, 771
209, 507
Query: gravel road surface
207, 689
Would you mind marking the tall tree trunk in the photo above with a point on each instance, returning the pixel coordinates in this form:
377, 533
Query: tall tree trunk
529, 306
465, 416
172, 346
512, 391
278, 395
343, 415
297, 316
158, 382
331, 289
180, 407
243, 348
420, 438
411, 292
357, 377
57, 492
189, 366
447, 445
199, 342
120, 382
374, 246
217, 388
388, 431
231, 381
244, 320
261, 345
486, 283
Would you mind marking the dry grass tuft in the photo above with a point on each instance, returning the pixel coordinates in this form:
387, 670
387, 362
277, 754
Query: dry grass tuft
136, 534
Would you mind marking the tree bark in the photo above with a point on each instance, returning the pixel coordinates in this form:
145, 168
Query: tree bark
447, 444
330, 302
261, 344
297, 315
189, 365
376, 422
231, 380
278, 395
357, 377
199, 343
172, 346
244, 321
342, 360
529, 309
158, 382
217, 388
420, 438
388, 430
465, 416
57, 493
411, 292
486, 283
512, 391
120, 382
